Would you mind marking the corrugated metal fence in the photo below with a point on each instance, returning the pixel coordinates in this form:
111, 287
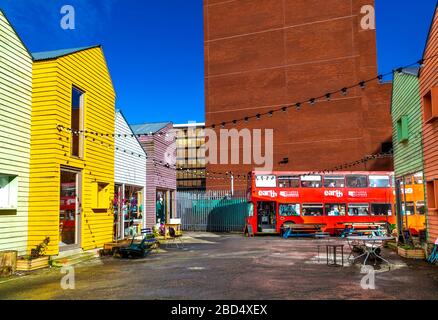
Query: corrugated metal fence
214, 211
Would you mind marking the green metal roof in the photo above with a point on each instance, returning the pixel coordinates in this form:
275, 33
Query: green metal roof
48, 55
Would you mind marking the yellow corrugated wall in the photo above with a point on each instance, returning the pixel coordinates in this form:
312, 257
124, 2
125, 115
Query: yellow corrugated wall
50, 149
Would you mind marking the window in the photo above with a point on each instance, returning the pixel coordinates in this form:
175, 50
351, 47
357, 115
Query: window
418, 178
77, 102
251, 209
430, 101
358, 209
408, 208
357, 181
432, 194
313, 210
101, 195
311, 181
421, 207
380, 182
288, 182
335, 209
334, 181
8, 192
403, 129
381, 209
289, 210
266, 181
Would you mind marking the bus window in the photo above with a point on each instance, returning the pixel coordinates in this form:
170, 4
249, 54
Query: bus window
265, 181
421, 208
335, 209
311, 181
289, 210
356, 181
381, 209
288, 182
313, 210
408, 208
418, 178
379, 182
334, 181
358, 209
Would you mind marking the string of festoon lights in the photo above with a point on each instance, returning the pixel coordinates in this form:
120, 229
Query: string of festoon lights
96, 136
295, 105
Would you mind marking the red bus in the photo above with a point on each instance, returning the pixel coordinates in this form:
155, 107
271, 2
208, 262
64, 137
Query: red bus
279, 199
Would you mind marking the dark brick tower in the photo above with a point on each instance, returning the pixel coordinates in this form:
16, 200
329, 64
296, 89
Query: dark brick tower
264, 54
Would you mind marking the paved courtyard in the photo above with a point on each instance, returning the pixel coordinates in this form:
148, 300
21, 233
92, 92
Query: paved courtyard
228, 267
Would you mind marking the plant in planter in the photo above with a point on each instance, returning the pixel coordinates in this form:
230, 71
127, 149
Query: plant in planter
36, 260
411, 251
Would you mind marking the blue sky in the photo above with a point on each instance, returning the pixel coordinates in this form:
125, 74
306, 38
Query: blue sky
154, 48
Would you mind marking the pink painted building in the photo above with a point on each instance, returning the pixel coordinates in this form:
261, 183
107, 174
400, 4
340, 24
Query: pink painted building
158, 141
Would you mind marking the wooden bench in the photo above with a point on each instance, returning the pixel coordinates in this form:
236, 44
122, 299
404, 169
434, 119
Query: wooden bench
302, 230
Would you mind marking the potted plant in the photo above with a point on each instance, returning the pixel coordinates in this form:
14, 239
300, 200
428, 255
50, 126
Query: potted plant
36, 260
411, 252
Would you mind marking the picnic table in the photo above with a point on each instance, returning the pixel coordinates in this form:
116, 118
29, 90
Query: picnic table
303, 230
370, 246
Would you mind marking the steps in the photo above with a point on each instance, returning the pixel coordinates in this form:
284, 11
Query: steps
71, 258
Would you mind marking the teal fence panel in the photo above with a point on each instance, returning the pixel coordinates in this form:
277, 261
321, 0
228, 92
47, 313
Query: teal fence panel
213, 211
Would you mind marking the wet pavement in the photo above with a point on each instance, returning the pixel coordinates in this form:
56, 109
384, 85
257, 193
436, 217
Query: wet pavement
230, 267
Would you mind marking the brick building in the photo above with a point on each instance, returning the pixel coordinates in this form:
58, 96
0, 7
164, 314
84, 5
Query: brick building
261, 55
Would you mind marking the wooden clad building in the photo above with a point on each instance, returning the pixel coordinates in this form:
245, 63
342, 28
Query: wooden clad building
407, 123
71, 167
159, 144
130, 179
15, 119
429, 101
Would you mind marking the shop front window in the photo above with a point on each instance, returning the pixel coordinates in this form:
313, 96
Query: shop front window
335, 209
289, 210
381, 209
313, 209
358, 209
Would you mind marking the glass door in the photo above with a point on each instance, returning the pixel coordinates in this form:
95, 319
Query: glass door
70, 210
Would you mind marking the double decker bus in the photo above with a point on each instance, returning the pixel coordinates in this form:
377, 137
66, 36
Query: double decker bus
413, 203
279, 199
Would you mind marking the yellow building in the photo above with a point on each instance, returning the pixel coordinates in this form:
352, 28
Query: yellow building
71, 166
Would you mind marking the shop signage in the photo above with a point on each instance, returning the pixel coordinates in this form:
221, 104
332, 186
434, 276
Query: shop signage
268, 193
289, 194
333, 193
357, 194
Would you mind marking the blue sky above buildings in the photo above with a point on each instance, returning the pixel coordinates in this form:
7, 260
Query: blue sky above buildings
154, 48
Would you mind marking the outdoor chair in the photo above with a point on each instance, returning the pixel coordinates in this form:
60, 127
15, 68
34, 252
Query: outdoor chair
174, 237
136, 250
149, 238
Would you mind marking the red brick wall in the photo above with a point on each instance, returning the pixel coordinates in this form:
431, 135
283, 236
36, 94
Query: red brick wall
263, 54
429, 80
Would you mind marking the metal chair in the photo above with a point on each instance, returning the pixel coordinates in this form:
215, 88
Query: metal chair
174, 237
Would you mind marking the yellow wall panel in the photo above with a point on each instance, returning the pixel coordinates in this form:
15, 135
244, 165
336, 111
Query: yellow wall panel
51, 149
